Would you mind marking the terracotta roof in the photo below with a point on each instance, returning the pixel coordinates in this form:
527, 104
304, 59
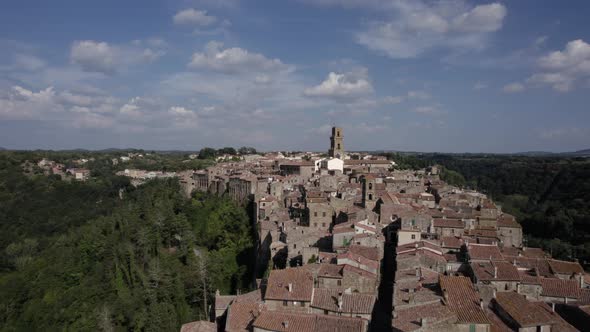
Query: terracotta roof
367, 252
352, 303
330, 271
199, 326
301, 282
485, 271
352, 269
409, 319
564, 267
241, 315
554, 287
448, 223
223, 301
463, 299
451, 242
559, 324
484, 252
287, 322
523, 312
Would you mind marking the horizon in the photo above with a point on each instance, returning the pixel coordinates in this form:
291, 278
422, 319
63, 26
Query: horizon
456, 76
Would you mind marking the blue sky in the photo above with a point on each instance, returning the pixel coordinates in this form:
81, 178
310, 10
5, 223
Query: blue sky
413, 75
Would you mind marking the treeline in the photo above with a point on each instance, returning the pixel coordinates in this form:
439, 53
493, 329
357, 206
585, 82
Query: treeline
77, 257
211, 153
550, 196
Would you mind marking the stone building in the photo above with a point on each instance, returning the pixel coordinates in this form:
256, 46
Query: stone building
337, 144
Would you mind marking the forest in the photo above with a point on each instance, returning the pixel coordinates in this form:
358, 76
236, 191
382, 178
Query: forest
77, 255
550, 196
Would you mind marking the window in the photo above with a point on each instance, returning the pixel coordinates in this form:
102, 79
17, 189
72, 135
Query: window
323, 214
315, 214
471, 327
301, 304
325, 312
294, 246
315, 224
285, 303
370, 186
413, 236
370, 197
339, 282
323, 224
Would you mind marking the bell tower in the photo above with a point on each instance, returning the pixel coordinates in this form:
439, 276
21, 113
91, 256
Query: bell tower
337, 143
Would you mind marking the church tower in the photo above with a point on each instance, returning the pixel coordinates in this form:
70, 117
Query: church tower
336, 143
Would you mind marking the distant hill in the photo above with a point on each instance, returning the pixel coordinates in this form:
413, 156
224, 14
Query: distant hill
2, 149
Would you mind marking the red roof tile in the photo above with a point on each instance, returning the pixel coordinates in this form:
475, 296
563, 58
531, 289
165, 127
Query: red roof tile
484, 252
463, 299
553, 287
300, 281
287, 322
522, 311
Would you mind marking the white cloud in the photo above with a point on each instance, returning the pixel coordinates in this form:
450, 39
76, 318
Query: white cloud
102, 57
418, 95
28, 62
513, 87
233, 60
562, 69
416, 27
194, 17
345, 85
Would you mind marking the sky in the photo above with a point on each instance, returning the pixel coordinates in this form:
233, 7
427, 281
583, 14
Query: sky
408, 75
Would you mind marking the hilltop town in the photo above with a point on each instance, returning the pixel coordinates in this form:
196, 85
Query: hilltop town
355, 245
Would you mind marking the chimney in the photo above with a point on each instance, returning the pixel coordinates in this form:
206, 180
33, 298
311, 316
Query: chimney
418, 272
494, 293
423, 322
290, 287
445, 295
340, 301
481, 303
286, 324
553, 307
495, 272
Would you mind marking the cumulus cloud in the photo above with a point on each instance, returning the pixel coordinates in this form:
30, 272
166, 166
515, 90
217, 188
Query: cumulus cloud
562, 69
513, 87
194, 17
102, 57
233, 60
342, 85
416, 27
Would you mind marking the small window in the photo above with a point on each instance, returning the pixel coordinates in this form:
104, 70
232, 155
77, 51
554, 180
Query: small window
413, 236
370, 197
338, 146
323, 214
370, 186
302, 304
315, 224
315, 214
323, 224
285, 303
294, 246
339, 282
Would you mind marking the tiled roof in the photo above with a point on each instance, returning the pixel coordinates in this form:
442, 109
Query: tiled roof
330, 271
287, 322
409, 319
301, 282
448, 223
554, 287
484, 252
352, 269
451, 242
559, 324
371, 253
484, 271
222, 301
240, 315
523, 312
353, 303
463, 299
199, 326
564, 267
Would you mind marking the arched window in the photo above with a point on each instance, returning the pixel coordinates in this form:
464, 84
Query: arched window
370, 197
338, 146
370, 186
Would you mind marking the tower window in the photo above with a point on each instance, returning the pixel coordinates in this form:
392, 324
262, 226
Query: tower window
370, 186
370, 197
338, 146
